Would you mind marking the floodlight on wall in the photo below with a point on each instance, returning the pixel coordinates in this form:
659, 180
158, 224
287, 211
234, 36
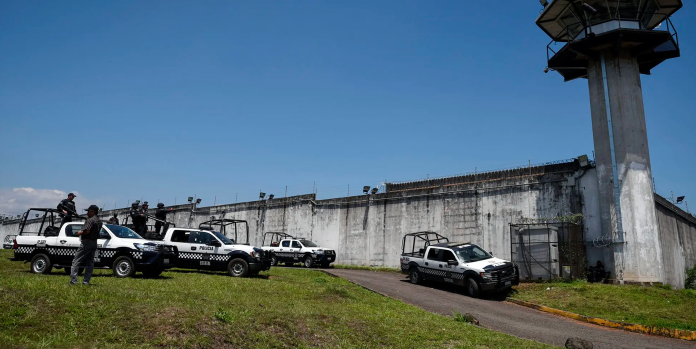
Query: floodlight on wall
374, 191
190, 199
198, 201
262, 195
37, 215
270, 197
680, 199
544, 2
366, 189
137, 201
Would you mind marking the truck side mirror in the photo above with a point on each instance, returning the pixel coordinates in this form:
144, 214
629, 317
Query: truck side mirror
452, 263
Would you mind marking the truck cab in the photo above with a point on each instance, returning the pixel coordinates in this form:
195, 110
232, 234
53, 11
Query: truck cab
47, 245
291, 250
460, 263
207, 249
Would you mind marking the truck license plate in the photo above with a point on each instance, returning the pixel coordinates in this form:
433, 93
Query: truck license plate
205, 262
508, 283
166, 261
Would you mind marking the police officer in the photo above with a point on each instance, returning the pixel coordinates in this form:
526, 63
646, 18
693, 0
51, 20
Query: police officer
143, 219
114, 219
135, 216
68, 208
160, 214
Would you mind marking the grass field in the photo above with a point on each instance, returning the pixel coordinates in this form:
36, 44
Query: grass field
283, 308
651, 306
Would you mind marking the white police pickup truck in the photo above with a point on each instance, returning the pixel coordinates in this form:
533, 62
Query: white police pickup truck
41, 242
207, 249
291, 250
459, 263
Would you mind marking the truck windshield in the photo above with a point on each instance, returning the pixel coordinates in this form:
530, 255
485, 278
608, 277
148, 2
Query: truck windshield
225, 240
307, 243
123, 232
471, 253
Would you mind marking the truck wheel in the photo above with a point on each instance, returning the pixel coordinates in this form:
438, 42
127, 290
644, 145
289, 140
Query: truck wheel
41, 264
123, 267
308, 262
472, 288
274, 260
238, 267
79, 270
153, 273
414, 276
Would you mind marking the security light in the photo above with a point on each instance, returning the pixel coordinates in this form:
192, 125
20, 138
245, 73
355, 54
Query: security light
262, 195
366, 189
37, 215
212, 217
270, 197
198, 201
190, 199
374, 191
137, 201
544, 2
680, 199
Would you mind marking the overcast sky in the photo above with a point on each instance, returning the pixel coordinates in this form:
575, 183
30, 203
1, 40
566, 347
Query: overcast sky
161, 100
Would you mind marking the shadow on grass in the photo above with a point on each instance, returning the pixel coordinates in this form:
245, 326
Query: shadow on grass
63, 274
211, 272
499, 296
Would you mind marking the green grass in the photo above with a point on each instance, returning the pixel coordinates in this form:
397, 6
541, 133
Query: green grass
651, 306
358, 267
284, 308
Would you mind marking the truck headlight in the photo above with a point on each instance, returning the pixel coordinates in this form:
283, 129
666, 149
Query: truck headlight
486, 275
145, 248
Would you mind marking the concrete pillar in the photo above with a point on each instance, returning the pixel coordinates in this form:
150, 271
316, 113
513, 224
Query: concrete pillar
637, 258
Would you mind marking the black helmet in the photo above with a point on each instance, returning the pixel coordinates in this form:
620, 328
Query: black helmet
135, 204
160, 205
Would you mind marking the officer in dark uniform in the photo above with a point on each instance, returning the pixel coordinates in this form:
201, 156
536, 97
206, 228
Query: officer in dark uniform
68, 208
143, 218
114, 219
135, 216
160, 214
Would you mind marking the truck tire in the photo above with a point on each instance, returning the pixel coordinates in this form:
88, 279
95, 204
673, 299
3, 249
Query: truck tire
238, 267
274, 260
123, 267
79, 271
152, 273
308, 262
41, 264
415, 276
472, 288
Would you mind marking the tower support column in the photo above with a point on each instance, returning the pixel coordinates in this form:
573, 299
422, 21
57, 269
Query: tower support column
621, 148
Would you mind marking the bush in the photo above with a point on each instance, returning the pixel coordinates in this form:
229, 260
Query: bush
690, 282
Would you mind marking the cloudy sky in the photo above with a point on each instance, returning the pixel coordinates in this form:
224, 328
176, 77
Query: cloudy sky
17, 200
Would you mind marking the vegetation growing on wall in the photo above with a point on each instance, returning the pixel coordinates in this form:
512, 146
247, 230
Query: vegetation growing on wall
690, 282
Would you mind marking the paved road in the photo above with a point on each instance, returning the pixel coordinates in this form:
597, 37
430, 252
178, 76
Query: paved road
502, 316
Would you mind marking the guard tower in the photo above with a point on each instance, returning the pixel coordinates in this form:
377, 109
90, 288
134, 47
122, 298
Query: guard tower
610, 43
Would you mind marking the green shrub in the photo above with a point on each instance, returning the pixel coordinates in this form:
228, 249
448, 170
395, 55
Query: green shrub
690, 282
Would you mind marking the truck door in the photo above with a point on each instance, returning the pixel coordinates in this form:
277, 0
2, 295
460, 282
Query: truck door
431, 261
188, 258
202, 240
446, 269
68, 243
284, 253
296, 249
103, 255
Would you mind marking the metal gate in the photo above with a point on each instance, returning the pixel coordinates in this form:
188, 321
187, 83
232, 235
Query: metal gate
548, 250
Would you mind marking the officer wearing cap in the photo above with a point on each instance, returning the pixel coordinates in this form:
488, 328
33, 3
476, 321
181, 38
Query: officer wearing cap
88, 238
160, 214
67, 206
114, 219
